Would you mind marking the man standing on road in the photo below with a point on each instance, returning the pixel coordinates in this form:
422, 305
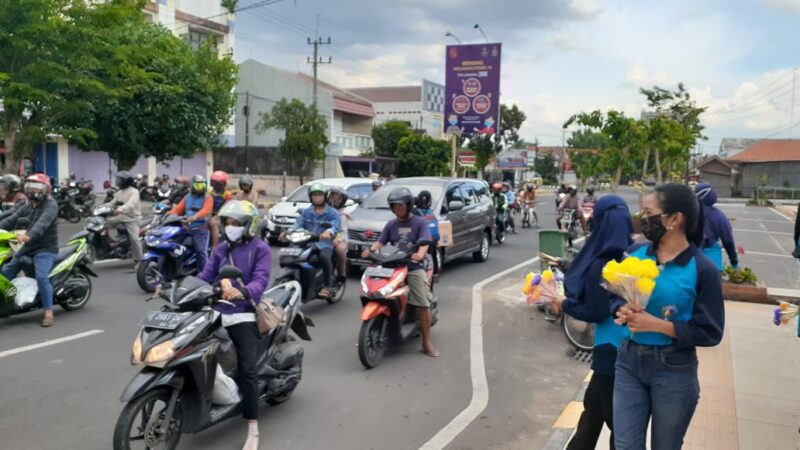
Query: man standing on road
40, 240
128, 212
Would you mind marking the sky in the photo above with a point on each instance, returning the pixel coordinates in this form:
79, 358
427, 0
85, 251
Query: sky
560, 57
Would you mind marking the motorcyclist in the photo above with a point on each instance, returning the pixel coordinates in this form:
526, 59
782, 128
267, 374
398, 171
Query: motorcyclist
561, 190
11, 194
182, 183
239, 220
500, 205
40, 240
312, 219
197, 208
337, 199
127, 211
246, 191
589, 198
509, 193
376, 184
571, 201
165, 180
410, 233
529, 199
424, 203
220, 194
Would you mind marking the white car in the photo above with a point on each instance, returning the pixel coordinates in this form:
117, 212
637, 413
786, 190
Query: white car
283, 215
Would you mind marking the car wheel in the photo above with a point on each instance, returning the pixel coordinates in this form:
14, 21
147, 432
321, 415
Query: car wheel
482, 254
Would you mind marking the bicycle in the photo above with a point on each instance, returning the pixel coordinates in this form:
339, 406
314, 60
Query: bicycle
579, 333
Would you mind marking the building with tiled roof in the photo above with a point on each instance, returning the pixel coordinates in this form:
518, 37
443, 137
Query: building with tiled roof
422, 107
777, 159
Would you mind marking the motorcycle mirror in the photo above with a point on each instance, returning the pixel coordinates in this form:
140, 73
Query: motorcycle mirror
229, 272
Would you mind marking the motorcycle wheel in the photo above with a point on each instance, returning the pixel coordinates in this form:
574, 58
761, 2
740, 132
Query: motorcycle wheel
77, 303
138, 417
147, 276
501, 237
73, 216
278, 399
338, 294
372, 341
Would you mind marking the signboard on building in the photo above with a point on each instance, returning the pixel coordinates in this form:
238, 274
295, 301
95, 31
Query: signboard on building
512, 159
472, 87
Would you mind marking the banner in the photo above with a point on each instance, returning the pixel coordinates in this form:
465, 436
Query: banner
512, 159
472, 87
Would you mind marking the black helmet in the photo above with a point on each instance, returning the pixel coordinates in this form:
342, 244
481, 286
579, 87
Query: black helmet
342, 194
12, 183
529, 188
590, 191
124, 179
246, 181
424, 199
401, 195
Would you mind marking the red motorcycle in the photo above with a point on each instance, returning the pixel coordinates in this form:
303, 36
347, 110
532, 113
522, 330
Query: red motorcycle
386, 318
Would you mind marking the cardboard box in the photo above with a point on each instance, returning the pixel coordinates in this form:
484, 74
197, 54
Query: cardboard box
445, 234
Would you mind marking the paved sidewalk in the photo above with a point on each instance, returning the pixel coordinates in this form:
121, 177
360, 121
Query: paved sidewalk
749, 393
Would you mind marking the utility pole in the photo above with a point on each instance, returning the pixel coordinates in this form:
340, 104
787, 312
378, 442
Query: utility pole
563, 158
317, 60
247, 132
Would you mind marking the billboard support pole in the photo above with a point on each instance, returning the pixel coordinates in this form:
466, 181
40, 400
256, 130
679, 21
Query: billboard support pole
454, 144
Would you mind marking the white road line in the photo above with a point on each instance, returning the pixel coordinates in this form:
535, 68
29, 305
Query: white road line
756, 219
750, 252
480, 387
782, 215
762, 231
26, 348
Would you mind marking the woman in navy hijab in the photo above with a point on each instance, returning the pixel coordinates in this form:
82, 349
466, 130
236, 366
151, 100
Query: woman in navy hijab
588, 301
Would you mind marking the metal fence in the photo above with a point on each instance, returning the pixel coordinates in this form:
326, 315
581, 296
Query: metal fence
778, 192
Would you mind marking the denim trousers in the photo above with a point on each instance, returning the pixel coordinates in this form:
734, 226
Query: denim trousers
658, 384
200, 237
42, 264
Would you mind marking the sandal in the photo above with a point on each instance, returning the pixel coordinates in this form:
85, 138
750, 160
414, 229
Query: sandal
325, 293
432, 352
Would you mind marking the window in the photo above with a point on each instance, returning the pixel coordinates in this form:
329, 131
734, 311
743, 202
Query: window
196, 38
359, 192
481, 192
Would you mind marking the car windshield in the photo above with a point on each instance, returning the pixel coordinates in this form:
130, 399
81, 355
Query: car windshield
378, 199
300, 195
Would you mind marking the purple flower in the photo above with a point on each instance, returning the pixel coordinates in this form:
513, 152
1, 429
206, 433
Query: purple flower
776, 317
536, 280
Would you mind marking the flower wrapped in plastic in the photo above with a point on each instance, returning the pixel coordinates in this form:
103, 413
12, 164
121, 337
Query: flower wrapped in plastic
543, 288
784, 313
633, 279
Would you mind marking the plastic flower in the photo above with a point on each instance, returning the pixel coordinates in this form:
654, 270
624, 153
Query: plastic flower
547, 276
784, 313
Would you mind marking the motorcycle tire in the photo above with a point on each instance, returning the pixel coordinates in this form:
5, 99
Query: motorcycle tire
372, 341
72, 215
77, 303
338, 294
148, 285
278, 399
501, 237
133, 414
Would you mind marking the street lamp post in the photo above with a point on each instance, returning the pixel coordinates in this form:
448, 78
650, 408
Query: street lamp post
449, 34
478, 27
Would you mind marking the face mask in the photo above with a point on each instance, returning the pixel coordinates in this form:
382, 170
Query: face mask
234, 233
652, 228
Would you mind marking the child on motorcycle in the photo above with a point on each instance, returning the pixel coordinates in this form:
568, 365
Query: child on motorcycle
337, 198
410, 233
197, 208
313, 219
239, 221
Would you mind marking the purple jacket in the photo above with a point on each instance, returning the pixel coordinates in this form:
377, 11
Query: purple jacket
253, 258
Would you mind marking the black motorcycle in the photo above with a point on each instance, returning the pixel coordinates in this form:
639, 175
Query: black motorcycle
179, 348
69, 208
102, 245
300, 262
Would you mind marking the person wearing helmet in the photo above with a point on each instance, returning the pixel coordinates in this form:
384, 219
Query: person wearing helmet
197, 208
246, 191
529, 204
589, 198
716, 228
182, 183
220, 195
11, 194
129, 211
501, 206
337, 199
512, 205
410, 233
239, 247
319, 218
424, 203
376, 184
40, 240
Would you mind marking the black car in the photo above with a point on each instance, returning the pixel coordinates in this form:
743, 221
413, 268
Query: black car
466, 203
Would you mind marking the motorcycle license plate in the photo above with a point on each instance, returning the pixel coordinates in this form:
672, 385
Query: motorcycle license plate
162, 320
291, 251
379, 272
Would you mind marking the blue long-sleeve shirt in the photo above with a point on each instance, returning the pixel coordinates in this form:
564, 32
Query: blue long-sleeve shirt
717, 228
688, 293
312, 221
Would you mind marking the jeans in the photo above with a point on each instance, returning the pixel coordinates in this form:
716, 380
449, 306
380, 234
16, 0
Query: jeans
200, 242
326, 261
654, 381
598, 409
245, 338
43, 264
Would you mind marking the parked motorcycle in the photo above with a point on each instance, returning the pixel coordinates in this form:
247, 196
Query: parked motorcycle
386, 318
300, 262
101, 244
72, 287
169, 254
179, 348
69, 208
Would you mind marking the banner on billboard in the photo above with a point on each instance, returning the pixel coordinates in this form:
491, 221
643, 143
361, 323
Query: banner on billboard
512, 159
472, 87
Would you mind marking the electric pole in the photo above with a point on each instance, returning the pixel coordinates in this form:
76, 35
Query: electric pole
317, 60
247, 132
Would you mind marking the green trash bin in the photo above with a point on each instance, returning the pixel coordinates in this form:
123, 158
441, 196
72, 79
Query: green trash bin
553, 243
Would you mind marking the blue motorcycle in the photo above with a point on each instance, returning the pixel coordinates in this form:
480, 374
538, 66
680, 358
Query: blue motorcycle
169, 254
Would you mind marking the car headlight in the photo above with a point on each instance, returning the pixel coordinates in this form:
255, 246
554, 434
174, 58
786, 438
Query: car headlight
160, 354
136, 352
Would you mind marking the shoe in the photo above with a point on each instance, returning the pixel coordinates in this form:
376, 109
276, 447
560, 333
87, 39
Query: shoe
432, 352
251, 443
48, 321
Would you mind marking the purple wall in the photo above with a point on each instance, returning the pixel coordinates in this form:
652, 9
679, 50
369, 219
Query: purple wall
98, 167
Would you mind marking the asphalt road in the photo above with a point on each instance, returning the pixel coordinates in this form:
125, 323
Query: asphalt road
66, 395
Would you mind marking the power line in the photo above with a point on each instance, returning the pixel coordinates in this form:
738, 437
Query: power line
749, 98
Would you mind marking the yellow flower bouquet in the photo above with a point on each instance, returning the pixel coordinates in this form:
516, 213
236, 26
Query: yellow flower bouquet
633, 279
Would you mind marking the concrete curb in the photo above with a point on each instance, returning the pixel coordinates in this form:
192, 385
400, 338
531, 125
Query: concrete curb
567, 421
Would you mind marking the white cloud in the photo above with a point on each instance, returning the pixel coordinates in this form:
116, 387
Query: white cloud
789, 5
639, 76
565, 41
585, 8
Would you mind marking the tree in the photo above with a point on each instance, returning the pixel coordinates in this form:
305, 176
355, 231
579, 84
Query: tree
422, 156
585, 153
230, 5
485, 149
511, 120
547, 168
388, 135
305, 137
167, 100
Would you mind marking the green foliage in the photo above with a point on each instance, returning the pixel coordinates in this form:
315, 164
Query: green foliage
547, 168
422, 156
485, 149
305, 136
388, 135
230, 5
739, 276
787, 184
511, 120
586, 153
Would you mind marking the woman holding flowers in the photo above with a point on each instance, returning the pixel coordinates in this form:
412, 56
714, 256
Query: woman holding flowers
586, 300
656, 369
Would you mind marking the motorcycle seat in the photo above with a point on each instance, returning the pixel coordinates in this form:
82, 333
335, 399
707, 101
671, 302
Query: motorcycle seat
64, 253
280, 297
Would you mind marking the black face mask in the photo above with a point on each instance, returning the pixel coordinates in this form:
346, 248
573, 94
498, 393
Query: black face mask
652, 228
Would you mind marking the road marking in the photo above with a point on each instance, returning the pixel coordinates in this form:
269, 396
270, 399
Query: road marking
570, 415
756, 219
748, 252
781, 214
762, 231
480, 387
26, 348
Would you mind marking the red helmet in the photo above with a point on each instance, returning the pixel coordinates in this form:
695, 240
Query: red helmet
220, 177
497, 186
183, 180
37, 186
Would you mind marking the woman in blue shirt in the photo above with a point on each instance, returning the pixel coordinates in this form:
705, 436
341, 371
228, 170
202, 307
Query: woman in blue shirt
587, 300
716, 228
656, 370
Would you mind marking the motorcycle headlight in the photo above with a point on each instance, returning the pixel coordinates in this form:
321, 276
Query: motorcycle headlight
160, 354
136, 352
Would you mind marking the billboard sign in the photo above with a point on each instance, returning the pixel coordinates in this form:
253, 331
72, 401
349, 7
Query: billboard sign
512, 159
472, 87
